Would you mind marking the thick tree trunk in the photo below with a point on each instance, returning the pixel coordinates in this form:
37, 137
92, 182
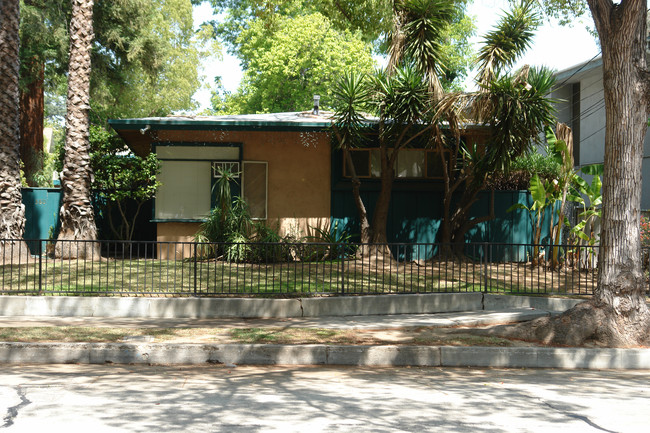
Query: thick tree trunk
77, 217
12, 211
622, 30
618, 315
32, 107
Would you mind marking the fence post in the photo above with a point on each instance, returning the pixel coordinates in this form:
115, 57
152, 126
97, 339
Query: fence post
342, 275
40, 266
195, 264
485, 267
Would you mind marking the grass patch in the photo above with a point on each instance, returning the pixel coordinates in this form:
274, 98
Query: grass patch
418, 336
462, 340
294, 336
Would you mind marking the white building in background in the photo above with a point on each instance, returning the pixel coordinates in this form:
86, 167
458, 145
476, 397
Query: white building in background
581, 105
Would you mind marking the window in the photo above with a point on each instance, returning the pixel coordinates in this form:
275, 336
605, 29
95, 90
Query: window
184, 192
360, 160
232, 167
255, 188
187, 172
435, 164
410, 163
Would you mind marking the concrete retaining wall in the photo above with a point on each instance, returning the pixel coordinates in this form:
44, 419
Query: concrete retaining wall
237, 307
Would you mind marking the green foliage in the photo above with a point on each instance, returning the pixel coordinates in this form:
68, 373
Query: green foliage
589, 197
371, 18
118, 173
421, 25
290, 50
287, 64
337, 243
519, 112
457, 50
229, 226
120, 176
145, 56
510, 38
566, 11
522, 170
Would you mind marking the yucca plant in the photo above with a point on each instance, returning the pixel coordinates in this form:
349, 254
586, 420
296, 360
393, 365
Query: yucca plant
229, 221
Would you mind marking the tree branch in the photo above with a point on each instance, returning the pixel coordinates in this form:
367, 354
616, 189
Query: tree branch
601, 11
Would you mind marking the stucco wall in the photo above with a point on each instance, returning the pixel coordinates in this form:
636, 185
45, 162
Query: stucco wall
298, 176
175, 232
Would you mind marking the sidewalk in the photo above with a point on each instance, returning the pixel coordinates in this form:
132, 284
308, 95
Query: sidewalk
145, 351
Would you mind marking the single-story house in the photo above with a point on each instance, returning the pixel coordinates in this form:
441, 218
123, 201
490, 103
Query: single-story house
293, 178
582, 107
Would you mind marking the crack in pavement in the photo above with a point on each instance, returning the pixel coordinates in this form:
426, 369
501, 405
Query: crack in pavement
12, 412
580, 417
562, 411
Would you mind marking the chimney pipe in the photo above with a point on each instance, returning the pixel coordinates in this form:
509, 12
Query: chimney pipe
316, 105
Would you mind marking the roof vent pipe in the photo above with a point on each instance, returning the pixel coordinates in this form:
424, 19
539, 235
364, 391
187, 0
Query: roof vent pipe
316, 105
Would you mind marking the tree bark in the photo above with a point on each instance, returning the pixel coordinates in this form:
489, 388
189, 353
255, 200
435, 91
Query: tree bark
76, 214
617, 316
622, 32
32, 107
12, 210
358, 202
380, 213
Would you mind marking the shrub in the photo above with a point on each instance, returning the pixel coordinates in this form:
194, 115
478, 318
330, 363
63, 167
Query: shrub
522, 169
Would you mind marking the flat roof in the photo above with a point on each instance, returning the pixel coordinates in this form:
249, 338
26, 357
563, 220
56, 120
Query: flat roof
575, 73
303, 120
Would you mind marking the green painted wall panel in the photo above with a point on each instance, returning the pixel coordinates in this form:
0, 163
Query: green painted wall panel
41, 215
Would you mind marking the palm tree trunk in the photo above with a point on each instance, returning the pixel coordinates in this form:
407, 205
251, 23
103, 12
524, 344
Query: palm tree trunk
12, 210
77, 217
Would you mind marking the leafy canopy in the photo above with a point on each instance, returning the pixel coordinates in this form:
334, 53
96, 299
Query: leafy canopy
145, 59
297, 58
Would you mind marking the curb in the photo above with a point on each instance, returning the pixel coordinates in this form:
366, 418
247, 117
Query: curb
316, 354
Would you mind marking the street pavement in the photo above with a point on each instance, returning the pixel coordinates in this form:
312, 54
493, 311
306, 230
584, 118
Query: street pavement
98, 399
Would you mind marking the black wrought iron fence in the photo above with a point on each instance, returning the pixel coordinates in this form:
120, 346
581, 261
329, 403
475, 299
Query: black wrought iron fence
114, 268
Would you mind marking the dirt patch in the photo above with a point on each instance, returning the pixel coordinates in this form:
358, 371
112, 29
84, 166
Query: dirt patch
423, 335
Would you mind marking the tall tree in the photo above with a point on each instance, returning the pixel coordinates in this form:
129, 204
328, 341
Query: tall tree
618, 314
145, 59
12, 211
293, 60
512, 107
76, 214
371, 18
43, 37
247, 25
403, 97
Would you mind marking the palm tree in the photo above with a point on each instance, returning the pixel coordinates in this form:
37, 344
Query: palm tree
403, 97
12, 211
513, 107
76, 214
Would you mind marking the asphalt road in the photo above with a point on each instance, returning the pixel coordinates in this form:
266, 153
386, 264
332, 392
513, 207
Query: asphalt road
95, 399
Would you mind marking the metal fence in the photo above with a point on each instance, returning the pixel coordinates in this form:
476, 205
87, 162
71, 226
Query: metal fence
170, 269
